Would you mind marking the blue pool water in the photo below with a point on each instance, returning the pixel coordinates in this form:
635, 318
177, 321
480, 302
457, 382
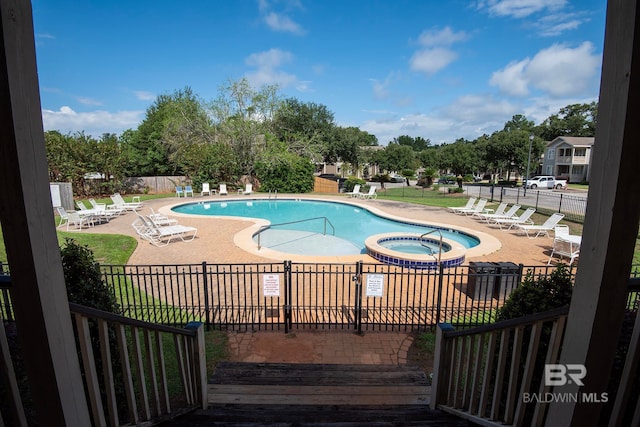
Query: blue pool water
352, 224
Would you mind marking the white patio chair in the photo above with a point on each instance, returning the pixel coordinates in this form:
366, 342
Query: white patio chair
119, 202
566, 245
458, 209
525, 218
162, 236
478, 208
544, 228
161, 220
489, 217
370, 195
206, 189
354, 192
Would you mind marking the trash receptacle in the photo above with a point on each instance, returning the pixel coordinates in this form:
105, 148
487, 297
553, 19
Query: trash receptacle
480, 283
506, 279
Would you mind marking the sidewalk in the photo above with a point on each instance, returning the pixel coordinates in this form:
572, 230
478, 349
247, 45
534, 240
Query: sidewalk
330, 347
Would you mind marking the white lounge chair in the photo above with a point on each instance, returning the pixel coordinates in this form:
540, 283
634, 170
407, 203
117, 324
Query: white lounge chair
161, 220
73, 218
110, 211
478, 208
162, 236
354, 192
490, 217
119, 202
248, 189
544, 228
499, 211
525, 218
457, 209
223, 190
206, 189
370, 195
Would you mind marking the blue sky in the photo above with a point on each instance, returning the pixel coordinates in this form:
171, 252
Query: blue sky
437, 69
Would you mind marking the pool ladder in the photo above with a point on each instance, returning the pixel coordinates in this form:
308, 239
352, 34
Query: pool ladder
428, 247
324, 231
275, 194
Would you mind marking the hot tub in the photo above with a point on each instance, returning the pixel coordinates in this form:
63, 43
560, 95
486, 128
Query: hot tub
414, 250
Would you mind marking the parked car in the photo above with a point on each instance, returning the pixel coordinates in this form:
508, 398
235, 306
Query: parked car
546, 181
397, 178
447, 179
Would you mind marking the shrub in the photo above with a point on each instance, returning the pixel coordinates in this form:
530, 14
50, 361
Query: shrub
455, 190
83, 278
351, 182
537, 295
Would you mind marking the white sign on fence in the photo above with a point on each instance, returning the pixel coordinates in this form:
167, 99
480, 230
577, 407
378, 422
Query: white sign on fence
375, 285
271, 285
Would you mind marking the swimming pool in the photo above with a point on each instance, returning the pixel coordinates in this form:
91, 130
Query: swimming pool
345, 230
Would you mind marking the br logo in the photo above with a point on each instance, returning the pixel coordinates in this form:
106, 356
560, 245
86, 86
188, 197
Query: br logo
564, 374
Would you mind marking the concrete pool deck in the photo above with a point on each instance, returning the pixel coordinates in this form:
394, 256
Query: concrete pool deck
216, 241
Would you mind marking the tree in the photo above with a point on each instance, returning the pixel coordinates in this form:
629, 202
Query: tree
242, 115
417, 144
108, 161
147, 156
395, 157
305, 127
281, 170
458, 157
572, 120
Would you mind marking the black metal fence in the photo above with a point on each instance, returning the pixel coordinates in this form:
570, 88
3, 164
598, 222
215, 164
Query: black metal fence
285, 296
572, 206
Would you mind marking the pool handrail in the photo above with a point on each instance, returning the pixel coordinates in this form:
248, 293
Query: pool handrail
427, 233
324, 232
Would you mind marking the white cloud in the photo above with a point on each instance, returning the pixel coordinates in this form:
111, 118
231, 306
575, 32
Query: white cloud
511, 79
282, 23
519, 8
279, 21
144, 95
92, 122
559, 71
435, 54
88, 101
444, 37
267, 72
430, 61
562, 71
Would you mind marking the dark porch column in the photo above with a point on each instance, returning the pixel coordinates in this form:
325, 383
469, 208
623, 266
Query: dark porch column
26, 214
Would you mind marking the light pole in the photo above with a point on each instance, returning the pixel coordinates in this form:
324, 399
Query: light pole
528, 164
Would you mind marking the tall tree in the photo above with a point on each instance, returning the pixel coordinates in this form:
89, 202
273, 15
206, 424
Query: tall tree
307, 128
242, 116
395, 157
572, 120
417, 144
148, 150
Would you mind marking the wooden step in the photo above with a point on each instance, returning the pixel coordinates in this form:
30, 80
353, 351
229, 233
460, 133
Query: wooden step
281, 394
317, 384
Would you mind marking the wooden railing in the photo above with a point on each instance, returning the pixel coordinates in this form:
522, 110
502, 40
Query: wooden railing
130, 374
143, 363
491, 374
